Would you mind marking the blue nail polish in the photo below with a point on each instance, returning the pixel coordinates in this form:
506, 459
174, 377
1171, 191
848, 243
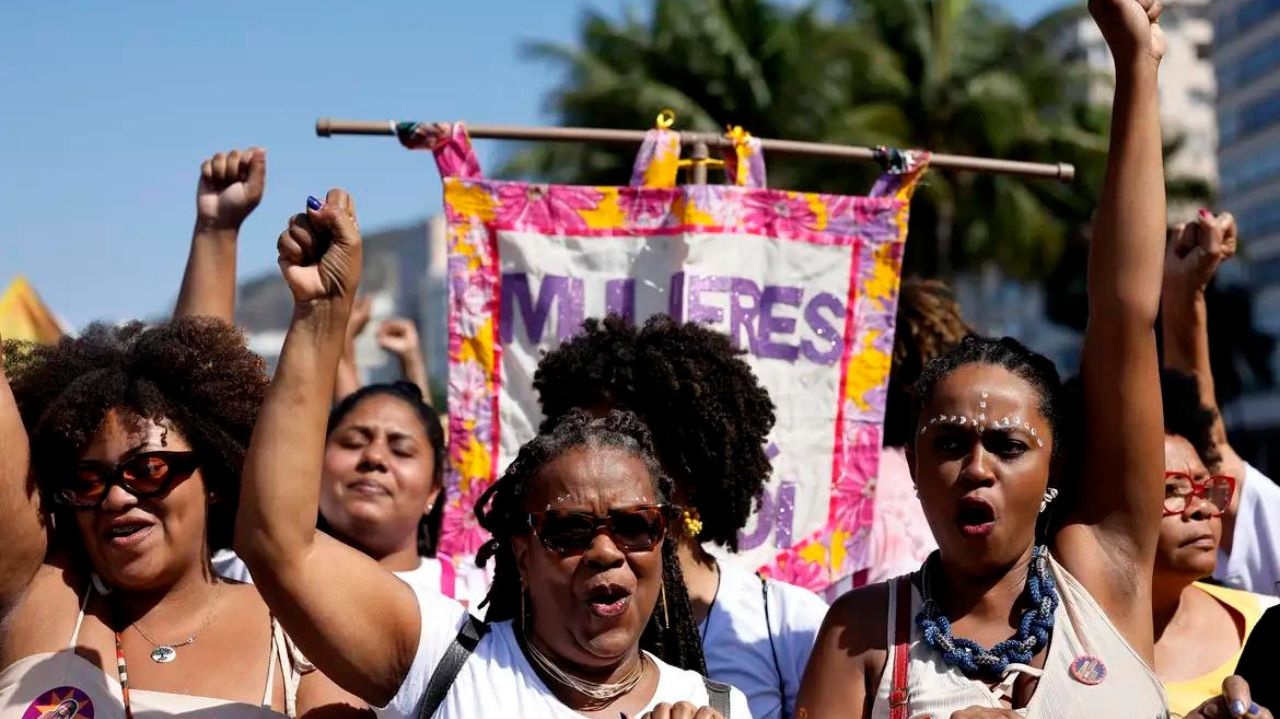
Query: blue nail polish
1237, 707
313, 203
1254, 709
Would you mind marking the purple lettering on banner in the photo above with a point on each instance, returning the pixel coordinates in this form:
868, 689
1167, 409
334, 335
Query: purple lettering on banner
825, 328
771, 324
764, 525
776, 516
744, 309
698, 312
675, 307
620, 298
786, 515
565, 292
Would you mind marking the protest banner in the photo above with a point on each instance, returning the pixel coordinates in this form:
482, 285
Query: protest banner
806, 284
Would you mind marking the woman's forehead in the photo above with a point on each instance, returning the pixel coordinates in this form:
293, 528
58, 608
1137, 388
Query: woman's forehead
122, 431
595, 478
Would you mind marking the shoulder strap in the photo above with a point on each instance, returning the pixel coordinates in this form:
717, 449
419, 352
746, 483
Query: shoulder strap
447, 670
898, 698
718, 696
773, 648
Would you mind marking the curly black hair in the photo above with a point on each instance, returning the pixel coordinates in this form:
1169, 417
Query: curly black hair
1186, 417
708, 412
672, 635
410, 394
928, 323
1038, 371
195, 373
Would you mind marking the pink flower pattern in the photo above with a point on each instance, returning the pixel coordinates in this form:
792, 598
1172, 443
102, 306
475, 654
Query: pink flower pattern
778, 214
537, 208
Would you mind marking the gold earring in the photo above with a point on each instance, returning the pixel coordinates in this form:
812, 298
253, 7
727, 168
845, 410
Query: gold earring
691, 522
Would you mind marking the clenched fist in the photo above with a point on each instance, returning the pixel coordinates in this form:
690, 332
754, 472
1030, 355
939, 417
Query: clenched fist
1130, 27
399, 337
231, 185
1198, 249
321, 250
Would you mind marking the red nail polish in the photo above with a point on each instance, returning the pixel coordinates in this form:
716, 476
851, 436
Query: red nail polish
1206, 214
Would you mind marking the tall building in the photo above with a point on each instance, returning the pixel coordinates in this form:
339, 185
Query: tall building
1247, 55
1187, 82
404, 274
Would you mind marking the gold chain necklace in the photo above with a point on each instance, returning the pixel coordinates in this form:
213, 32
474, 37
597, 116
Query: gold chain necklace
600, 694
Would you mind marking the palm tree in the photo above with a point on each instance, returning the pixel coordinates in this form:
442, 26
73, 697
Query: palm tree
954, 76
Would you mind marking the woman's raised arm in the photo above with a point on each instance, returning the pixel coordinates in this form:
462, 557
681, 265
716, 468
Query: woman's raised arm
22, 531
1113, 520
355, 620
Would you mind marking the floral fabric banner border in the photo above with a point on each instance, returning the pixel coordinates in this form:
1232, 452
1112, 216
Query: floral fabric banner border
527, 262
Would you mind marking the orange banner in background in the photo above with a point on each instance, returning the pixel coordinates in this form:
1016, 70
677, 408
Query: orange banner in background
23, 316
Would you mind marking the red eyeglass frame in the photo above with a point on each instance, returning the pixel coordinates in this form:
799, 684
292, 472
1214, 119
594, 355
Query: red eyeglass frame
1199, 489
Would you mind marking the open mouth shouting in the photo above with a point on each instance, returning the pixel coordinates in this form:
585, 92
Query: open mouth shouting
608, 600
975, 517
127, 532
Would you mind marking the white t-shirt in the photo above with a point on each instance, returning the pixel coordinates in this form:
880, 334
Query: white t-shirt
736, 639
497, 680
468, 586
1254, 562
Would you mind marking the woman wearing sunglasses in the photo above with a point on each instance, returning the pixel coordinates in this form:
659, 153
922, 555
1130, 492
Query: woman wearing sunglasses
588, 614
710, 418
1200, 628
108, 597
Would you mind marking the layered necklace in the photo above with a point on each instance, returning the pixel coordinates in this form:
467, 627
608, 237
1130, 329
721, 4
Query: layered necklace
601, 695
1034, 629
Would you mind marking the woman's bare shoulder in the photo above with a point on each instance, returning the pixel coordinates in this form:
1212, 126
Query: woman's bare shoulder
856, 622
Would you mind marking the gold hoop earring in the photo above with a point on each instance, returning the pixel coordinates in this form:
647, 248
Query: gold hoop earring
666, 620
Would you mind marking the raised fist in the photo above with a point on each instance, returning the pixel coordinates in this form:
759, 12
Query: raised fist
321, 252
1130, 28
1198, 249
399, 337
231, 185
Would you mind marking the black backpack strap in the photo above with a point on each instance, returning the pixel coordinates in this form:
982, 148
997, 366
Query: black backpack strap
447, 670
718, 694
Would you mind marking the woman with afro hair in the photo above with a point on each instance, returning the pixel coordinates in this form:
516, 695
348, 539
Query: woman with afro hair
709, 417
120, 460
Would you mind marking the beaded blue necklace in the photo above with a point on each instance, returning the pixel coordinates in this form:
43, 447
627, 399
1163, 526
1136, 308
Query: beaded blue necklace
1033, 630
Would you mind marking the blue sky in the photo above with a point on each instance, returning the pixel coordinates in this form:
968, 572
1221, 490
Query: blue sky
109, 108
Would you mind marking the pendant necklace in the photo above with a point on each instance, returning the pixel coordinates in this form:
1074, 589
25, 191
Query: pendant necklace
166, 653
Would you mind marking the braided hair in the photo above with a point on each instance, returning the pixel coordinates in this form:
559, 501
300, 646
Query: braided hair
410, 394
929, 323
708, 412
502, 511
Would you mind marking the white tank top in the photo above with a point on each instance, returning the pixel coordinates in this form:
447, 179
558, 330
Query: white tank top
1080, 630
64, 685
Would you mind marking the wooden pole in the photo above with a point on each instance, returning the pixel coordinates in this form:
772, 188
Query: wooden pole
1062, 172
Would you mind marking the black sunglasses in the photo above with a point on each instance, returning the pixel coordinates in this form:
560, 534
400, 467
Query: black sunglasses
633, 529
143, 475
